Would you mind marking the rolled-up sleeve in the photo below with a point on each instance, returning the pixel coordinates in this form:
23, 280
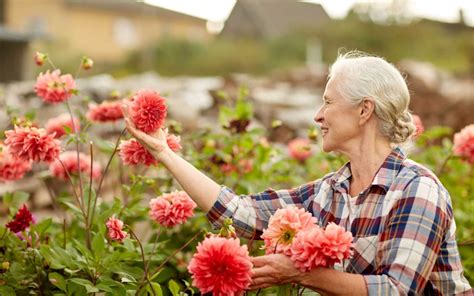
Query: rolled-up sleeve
250, 213
410, 242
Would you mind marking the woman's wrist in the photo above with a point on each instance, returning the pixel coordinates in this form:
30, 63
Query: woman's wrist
165, 156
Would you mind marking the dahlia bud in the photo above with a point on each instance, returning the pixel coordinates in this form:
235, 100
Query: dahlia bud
276, 123
312, 134
23, 122
114, 95
40, 58
5, 265
210, 143
227, 230
87, 63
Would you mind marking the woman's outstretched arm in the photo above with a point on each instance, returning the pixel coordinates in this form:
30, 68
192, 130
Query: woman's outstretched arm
250, 213
202, 189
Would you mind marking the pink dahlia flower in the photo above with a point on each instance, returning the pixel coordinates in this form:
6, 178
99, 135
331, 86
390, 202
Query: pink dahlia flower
12, 168
340, 244
306, 250
21, 220
53, 87
300, 149
172, 209
148, 111
69, 160
221, 266
228, 168
419, 128
283, 226
56, 125
464, 143
106, 111
32, 144
245, 165
115, 227
133, 153
173, 142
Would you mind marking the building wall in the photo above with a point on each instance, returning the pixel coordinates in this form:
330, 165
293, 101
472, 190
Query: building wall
105, 34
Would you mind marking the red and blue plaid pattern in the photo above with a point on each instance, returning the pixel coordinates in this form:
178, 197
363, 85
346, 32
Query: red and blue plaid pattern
404, 229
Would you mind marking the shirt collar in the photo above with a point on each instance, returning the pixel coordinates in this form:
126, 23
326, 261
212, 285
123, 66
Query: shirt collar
383, 178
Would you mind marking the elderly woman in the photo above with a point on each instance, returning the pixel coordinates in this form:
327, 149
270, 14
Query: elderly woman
397, 210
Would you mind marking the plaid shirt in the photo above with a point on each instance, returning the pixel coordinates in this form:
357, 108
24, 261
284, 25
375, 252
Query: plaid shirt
404, 230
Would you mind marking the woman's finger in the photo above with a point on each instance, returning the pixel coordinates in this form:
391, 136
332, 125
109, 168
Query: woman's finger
260, 283
125, 112
136, 133
261, 271
259, 261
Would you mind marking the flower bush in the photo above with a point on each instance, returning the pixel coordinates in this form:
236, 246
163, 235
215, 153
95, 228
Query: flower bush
112, 244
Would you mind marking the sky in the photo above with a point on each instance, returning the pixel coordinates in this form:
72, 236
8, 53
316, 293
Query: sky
218, 11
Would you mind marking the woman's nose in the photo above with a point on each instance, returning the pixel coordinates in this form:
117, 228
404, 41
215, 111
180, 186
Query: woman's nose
318, 117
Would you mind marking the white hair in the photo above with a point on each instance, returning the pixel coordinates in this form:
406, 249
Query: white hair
362, 76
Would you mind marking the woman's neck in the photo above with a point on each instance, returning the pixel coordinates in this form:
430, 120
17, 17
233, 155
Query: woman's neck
365, 161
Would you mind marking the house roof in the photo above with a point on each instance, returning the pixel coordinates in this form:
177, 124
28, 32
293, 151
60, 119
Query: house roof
9, 35
132, 6
272, 18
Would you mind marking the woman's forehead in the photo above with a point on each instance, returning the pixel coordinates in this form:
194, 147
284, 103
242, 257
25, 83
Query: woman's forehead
331, 91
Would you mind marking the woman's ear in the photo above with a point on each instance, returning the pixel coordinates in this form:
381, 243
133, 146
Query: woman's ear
367, 108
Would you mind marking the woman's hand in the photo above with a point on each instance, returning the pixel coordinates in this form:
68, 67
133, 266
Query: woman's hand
155, 144
272, 270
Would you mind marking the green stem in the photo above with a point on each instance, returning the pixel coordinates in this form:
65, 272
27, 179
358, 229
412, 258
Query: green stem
64, 233
301, 292
103, 176
88, 223
155, 243
73, 189
145, 265
78, 70
176, 252
467, 243
443, 165
76, 134
51, 63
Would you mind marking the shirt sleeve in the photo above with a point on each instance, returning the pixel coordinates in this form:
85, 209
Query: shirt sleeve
250, 213
410, 241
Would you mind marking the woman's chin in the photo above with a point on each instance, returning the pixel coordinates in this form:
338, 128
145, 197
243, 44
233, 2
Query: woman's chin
326, 147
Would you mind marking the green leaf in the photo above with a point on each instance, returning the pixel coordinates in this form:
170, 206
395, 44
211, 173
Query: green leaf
30, 115
108, 285
174, 287
105, 287
60, 258
54, 261
98, 245
147, 290
89, 202
163, 275
67, 129
77, 211
155, 287
75, 289
126, 277
104, 146
7, 291
42, 226
15, 200
57, 280
85, 283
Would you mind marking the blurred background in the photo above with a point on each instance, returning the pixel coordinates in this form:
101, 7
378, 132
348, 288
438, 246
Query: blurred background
282, 47
197, 52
